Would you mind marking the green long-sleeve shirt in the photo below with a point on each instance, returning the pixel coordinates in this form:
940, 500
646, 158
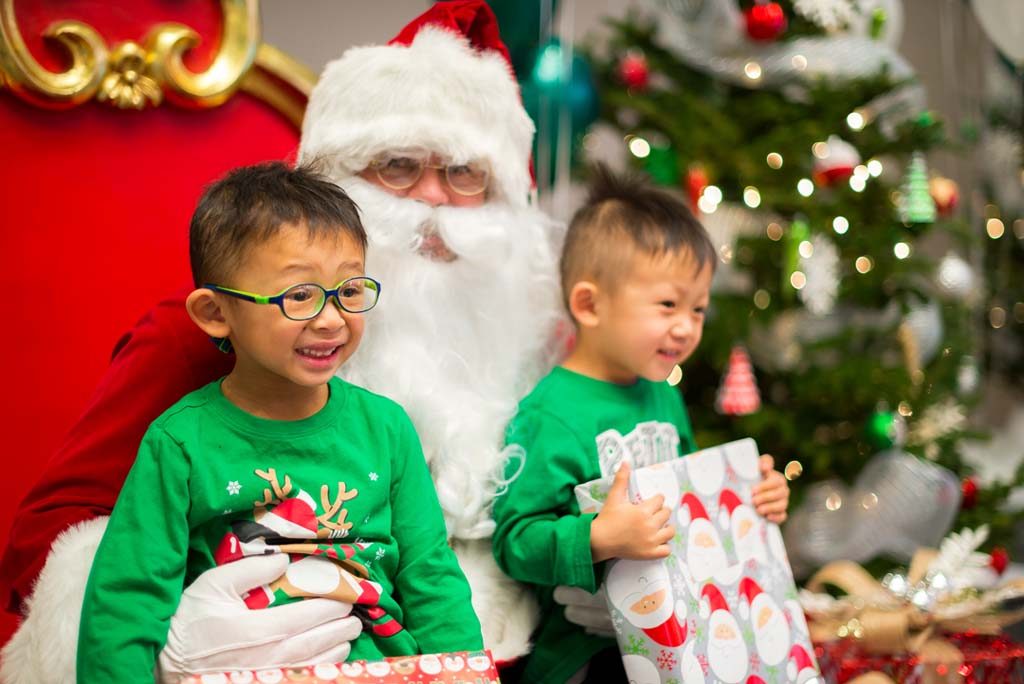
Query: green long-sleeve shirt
572, 429
205, 464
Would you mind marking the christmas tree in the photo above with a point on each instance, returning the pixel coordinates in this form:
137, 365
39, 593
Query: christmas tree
800, 137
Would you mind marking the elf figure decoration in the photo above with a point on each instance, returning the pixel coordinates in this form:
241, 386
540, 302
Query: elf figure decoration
722, 607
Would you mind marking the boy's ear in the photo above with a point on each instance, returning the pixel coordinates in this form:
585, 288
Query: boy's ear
204, 308
583, 303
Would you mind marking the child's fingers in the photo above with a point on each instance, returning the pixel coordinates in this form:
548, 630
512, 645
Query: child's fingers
654, 504
772, 507
777, 518
620, 485
665, 535
765, 464
660, 517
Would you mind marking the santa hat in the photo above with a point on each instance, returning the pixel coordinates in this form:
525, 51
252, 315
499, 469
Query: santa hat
691, 509
800, 666
754, 679
749, 589
711, 600
444, 83
727, 503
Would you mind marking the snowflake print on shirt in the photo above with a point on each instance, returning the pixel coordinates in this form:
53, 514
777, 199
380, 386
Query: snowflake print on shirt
233, 487
373, 477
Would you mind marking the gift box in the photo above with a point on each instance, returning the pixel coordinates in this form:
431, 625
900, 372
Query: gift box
722, 606
476, 667
981, 660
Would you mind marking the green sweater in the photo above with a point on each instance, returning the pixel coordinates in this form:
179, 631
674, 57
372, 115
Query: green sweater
206, 464
569, 430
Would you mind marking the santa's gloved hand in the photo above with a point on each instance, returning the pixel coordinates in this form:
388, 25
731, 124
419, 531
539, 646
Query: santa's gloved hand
589, 611
214, 631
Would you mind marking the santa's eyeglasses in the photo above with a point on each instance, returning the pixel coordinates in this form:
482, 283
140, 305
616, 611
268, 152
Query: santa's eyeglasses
401, 171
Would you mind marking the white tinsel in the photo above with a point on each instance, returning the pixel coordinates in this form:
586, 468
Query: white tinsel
937, 421
958, 552
831, 15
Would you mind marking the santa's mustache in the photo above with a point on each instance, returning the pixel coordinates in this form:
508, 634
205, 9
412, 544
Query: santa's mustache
397, 223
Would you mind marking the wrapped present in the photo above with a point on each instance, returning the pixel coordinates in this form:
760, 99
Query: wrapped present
966, 659
723, 606
475, 667
938, 622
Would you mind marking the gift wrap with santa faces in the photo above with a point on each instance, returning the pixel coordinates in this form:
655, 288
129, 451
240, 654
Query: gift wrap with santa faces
722, 607
476, 667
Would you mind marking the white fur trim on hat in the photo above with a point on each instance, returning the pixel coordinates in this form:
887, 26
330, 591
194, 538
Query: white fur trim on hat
437, 93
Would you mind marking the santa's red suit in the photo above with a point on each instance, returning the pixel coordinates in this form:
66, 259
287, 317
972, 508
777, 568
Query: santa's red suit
457, 341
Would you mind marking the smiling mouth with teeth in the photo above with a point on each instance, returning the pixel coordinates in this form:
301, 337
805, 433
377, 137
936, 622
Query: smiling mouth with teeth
318, 353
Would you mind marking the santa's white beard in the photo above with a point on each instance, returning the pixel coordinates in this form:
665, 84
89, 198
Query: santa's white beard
458, 343
727, 657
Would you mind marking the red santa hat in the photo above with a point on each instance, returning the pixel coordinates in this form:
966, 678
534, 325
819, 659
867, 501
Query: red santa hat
754, 679
749, 589
444, 83
800, 667
690, 509
728, 500
711, 599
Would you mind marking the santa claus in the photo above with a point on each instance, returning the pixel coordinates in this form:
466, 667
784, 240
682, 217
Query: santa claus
771, 629
706, 469
745, 525
727, 652
429, 136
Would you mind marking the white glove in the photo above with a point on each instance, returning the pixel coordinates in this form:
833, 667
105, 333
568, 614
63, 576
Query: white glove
214, 631
589, 611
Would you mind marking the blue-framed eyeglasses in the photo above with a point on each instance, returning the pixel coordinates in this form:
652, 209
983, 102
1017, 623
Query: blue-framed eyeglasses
305, 301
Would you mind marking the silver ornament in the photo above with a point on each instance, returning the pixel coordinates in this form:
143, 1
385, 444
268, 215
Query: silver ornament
955, 276
925, 323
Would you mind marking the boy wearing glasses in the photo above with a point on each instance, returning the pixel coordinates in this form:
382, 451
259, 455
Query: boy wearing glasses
323, 480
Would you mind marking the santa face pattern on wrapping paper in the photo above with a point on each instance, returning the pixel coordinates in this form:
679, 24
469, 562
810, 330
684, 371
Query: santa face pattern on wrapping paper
643, 593
747, 534
771, 629
727, 651
722, 549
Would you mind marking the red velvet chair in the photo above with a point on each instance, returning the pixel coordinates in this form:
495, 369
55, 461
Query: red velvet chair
113, 116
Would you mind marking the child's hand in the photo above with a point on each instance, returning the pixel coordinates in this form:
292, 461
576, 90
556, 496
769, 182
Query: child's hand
626, 530
771, 495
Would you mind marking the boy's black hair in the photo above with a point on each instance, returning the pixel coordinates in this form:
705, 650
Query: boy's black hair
623, 216
250, 205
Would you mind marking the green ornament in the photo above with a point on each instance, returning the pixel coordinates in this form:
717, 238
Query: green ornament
926, 119
884, 429
663, 166
915, 205
878, 21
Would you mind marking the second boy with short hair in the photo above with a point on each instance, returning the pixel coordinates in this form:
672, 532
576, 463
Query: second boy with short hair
280, 458
636, 274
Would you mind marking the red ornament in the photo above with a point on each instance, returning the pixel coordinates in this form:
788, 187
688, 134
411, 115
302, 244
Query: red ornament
946, 194
738, 395
836, 163
999, 559
696, 181
634, 71
765, 21
968, 493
